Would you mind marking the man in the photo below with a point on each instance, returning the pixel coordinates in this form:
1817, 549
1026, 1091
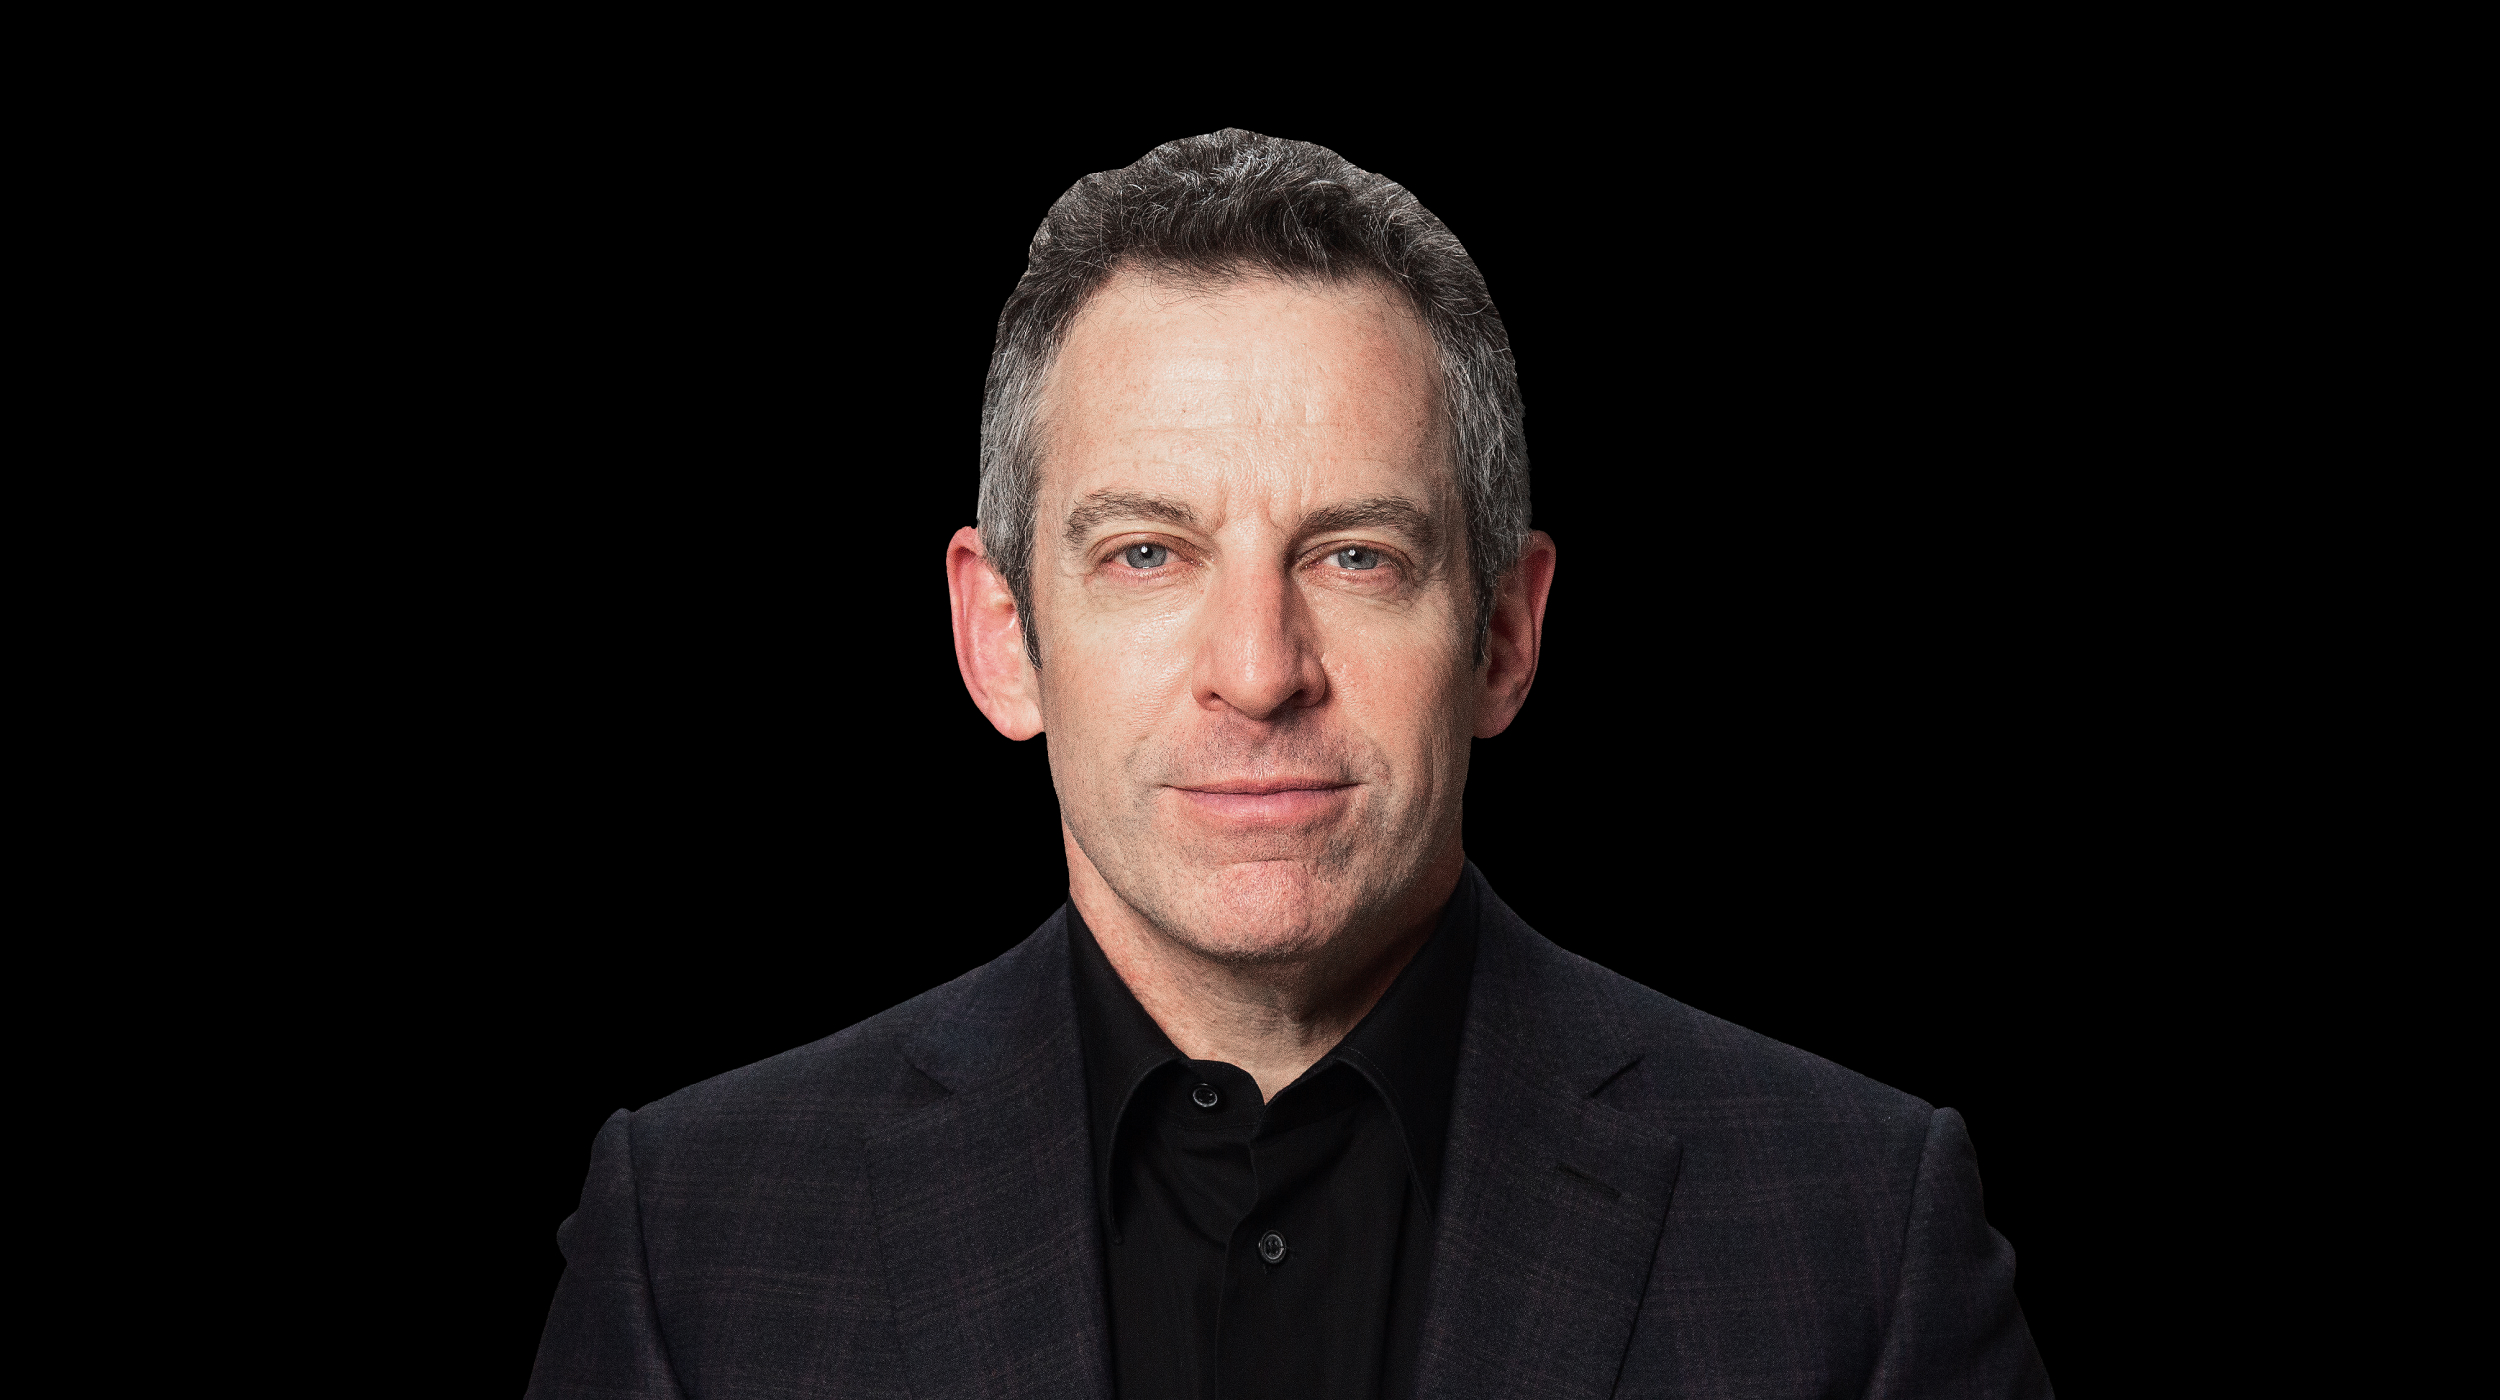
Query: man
1285, 1101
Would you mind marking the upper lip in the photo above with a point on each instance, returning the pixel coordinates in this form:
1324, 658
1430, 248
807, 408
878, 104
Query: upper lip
1262, 787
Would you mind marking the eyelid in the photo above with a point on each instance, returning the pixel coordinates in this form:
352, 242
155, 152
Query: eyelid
1388, 554
1117, 545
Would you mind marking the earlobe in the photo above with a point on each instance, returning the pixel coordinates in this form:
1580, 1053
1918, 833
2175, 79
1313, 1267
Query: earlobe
989, 640
1516, 637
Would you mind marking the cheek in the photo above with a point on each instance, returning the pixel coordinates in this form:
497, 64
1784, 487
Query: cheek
1109, 684
1409, 687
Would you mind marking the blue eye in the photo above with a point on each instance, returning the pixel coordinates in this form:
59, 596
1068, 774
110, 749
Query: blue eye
1145, 556
1357, 557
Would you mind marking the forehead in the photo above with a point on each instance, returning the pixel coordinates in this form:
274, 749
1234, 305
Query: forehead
1282, 388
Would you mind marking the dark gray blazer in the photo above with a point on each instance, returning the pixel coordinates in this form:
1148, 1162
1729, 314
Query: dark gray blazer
1639, 1199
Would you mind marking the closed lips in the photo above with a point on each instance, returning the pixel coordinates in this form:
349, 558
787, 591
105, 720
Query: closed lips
1279, 800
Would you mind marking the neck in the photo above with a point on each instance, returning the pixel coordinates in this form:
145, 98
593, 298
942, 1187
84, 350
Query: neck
1272, 1019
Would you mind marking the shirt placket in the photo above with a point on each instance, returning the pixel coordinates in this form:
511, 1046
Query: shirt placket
1247, 1274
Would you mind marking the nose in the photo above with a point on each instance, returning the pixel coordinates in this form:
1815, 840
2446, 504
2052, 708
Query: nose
1257, 652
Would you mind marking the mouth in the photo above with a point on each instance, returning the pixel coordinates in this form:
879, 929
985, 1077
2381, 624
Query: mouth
1283, 801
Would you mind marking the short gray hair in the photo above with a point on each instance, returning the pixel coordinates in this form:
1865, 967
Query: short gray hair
1236, 203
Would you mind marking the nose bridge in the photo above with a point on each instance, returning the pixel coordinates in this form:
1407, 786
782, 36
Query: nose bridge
1256, 653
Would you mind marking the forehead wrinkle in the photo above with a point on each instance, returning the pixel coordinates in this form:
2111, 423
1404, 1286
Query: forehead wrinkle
1300, 395
1287, 390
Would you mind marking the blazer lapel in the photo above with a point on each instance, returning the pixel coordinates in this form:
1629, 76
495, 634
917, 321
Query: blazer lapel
985, 1217
1551, 1202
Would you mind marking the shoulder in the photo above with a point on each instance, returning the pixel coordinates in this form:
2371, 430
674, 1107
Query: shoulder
1713, 1083
1792, 1177
875, 1071
1707, 1057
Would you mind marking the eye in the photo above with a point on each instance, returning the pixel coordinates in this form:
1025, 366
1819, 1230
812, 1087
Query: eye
1357, 557
1145, 556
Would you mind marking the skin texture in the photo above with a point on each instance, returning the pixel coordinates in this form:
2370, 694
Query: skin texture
1251, 594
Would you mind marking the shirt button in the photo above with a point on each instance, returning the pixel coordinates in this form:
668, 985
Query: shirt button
1272, 1247
1205, 1096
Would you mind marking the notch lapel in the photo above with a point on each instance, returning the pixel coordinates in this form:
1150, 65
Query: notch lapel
985, 1218
1552, 1202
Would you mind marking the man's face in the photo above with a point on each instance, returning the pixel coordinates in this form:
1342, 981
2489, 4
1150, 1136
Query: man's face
1251, 594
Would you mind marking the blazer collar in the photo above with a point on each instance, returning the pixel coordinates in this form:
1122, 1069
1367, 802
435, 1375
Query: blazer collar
992, 1257
1552, 1202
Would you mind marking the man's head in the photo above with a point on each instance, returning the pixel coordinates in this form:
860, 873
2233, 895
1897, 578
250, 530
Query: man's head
1253, 542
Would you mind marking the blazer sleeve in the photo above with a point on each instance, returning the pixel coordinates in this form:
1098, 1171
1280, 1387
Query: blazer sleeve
1956, 1329
603, 1334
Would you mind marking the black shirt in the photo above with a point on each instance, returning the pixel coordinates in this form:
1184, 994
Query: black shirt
1280, 1249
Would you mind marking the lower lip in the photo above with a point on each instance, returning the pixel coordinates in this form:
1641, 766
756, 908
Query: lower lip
1266, 808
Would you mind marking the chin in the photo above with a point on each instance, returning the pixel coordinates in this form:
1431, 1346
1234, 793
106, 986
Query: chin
1267, 911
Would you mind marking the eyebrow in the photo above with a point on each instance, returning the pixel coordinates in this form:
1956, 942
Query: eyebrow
1391, 512
1102, 507
1372, 512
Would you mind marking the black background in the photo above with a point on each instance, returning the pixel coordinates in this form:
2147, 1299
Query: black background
1845, 680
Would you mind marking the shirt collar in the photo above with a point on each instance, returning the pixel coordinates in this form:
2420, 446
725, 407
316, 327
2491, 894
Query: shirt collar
1406, 1047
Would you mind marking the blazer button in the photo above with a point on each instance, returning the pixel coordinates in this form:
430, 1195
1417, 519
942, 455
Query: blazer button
1205, 1096
1272, 1247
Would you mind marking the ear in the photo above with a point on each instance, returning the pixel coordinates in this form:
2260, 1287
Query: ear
989, 640
1518, 630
